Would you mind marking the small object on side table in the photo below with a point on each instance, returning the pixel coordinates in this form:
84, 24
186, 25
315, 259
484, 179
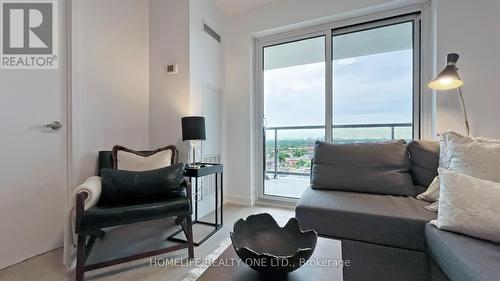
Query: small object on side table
201, 170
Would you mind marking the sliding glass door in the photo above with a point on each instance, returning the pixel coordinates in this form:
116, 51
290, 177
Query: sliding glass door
294, 111
352, 84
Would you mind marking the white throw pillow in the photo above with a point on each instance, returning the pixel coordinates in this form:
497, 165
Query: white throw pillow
434, 207
453, 146
478, 157
469, 205
432, 193
130, 160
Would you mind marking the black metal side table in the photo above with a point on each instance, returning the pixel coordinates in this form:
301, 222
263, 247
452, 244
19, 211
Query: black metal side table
206, 169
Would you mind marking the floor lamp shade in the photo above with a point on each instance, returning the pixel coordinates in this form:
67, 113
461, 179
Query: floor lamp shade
448, 78
193, 128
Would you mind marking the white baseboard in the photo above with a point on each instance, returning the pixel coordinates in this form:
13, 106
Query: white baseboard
276, 204
238, 200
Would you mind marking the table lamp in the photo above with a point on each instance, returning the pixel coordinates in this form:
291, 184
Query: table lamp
449, 79
193, 130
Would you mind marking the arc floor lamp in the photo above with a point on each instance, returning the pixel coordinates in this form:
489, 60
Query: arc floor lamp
448, 79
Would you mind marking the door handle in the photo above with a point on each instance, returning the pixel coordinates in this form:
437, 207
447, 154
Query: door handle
56, 125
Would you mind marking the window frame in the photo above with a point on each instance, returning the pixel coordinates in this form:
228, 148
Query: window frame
422, 126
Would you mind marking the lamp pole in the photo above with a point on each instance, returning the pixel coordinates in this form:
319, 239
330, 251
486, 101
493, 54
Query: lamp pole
466, 118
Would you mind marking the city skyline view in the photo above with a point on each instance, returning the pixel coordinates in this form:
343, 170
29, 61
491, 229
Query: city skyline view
373, 89
370, 89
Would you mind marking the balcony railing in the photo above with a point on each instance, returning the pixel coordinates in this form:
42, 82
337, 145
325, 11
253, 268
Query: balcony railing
390, 136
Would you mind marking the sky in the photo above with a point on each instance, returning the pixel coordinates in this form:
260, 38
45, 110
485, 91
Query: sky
370, 89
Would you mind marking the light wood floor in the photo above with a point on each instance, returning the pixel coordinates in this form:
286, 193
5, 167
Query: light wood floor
129, 239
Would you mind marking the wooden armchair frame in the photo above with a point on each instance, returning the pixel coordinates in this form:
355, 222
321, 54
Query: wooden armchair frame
84, 246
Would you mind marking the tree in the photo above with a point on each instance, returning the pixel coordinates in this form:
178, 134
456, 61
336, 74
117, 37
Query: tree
302, 163
282, 156
299, 152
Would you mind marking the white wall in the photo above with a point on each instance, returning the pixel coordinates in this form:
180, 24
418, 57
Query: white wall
123, 94
470, 28
169, 95
206, 84
206, 54
111, 79
177, 37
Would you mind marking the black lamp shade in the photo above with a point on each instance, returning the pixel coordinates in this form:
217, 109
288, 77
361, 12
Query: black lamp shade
193, 128
448, 78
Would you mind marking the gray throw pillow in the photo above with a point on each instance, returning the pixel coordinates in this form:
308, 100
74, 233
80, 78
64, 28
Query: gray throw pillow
424, 157
380, 168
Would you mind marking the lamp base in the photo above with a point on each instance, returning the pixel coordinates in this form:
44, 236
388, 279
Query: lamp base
194, 166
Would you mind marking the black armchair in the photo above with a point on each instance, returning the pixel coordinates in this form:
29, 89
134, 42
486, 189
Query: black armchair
90, 223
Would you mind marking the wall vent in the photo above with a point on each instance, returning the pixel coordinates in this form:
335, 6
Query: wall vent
211, 32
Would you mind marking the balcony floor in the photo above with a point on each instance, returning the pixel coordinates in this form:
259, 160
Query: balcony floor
286, 185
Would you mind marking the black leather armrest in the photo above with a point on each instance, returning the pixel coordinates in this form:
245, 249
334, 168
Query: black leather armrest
189, 189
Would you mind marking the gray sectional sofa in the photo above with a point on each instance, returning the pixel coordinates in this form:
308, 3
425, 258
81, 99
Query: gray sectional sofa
364, 195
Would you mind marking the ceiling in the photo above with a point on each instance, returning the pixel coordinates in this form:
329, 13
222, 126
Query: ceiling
234, 6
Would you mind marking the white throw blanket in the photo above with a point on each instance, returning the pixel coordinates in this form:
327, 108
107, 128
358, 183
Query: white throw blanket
92, 187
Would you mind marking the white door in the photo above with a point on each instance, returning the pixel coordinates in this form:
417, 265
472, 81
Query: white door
33, 172
212, 104
211, 147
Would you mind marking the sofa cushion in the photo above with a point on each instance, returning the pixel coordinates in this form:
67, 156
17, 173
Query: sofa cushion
380, 168
101, 217
424, 157
371, 262
461, 257
379, 219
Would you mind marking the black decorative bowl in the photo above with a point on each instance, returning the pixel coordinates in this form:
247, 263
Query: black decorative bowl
270, 249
